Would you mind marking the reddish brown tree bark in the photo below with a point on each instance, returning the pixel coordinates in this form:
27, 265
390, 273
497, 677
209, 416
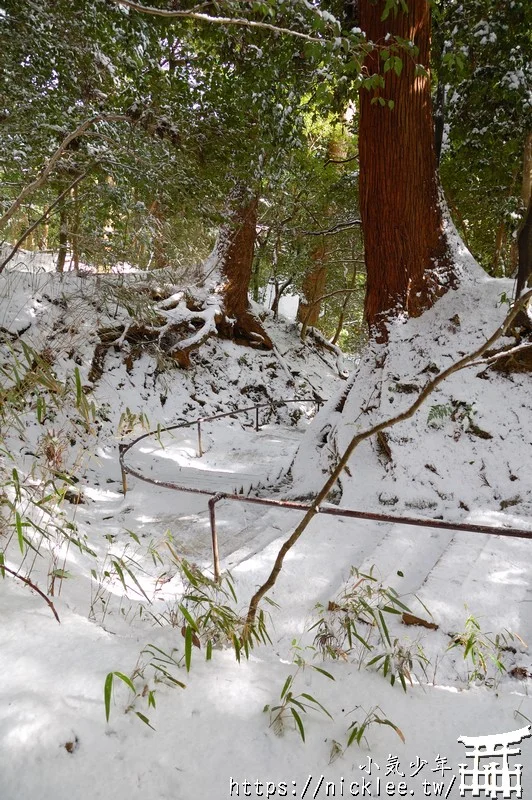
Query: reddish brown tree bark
235, 250
405, 248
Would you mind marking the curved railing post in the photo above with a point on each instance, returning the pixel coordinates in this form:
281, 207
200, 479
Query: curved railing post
121, 450
200, 447
214, 534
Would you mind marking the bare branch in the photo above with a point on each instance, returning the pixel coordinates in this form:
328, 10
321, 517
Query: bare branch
322, 495
200, 17
43, 218
341, 226
51, 163
35, 588
341, 160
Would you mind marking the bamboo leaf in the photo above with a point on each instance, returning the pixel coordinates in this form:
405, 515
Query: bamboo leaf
188, 647
107, 691
144, 719
299, 723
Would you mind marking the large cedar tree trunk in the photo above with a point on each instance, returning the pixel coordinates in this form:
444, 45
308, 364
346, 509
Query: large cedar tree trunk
405, 248
236, 248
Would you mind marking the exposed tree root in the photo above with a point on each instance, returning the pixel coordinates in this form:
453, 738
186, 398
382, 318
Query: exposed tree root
246, 329
180, 323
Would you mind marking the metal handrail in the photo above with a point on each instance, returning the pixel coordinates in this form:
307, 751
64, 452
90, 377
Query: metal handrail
294, 505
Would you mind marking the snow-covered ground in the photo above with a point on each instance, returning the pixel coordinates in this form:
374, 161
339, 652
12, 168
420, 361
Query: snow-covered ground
213, 739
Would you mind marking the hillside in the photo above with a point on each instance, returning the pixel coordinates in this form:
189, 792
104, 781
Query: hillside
113, 565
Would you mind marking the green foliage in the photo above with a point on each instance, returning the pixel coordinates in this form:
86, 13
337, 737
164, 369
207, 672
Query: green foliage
208, 618
483, 648
458, 411
438, 413
129, 420
375, 716
480, 53
355, 624
291, 707
162, 667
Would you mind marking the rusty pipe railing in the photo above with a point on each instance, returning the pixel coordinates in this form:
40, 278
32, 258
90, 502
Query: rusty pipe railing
292, 505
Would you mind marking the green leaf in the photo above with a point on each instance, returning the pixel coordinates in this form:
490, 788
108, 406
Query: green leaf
144, 719
287, 685
316, 702
324, 672
126, 680
356, 734
236, 645
107, 691
120, 573
389, 5
20, 535
398, 731
188, 618
384, 628
299, 723
188, 647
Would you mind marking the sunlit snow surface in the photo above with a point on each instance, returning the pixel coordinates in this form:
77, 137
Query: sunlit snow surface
51, 694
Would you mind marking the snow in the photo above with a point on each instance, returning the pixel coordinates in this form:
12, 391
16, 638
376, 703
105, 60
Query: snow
213, 735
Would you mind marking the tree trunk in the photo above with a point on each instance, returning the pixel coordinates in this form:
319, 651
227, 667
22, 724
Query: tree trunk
63, 240
278, 289
308, 311
315, 280
405, 249
76, 226
236, 246
497, 265
524, 236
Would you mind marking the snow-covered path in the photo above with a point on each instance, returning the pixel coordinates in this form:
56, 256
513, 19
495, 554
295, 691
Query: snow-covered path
234, 457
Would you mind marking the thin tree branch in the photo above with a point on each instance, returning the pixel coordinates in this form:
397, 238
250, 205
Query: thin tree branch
322, 495
512, 351
35, 588
43, 218
341, 160
341, 226
238, 21
50, 165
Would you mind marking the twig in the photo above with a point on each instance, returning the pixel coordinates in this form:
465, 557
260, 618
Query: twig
29, 583
341, 160
341, 226
360, 437
512, 351
43, 218
49, 166
239, 21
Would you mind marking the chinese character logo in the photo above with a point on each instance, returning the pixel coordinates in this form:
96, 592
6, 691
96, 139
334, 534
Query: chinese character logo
495, 778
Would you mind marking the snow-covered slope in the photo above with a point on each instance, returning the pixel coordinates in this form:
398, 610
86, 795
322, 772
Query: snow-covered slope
117, 583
